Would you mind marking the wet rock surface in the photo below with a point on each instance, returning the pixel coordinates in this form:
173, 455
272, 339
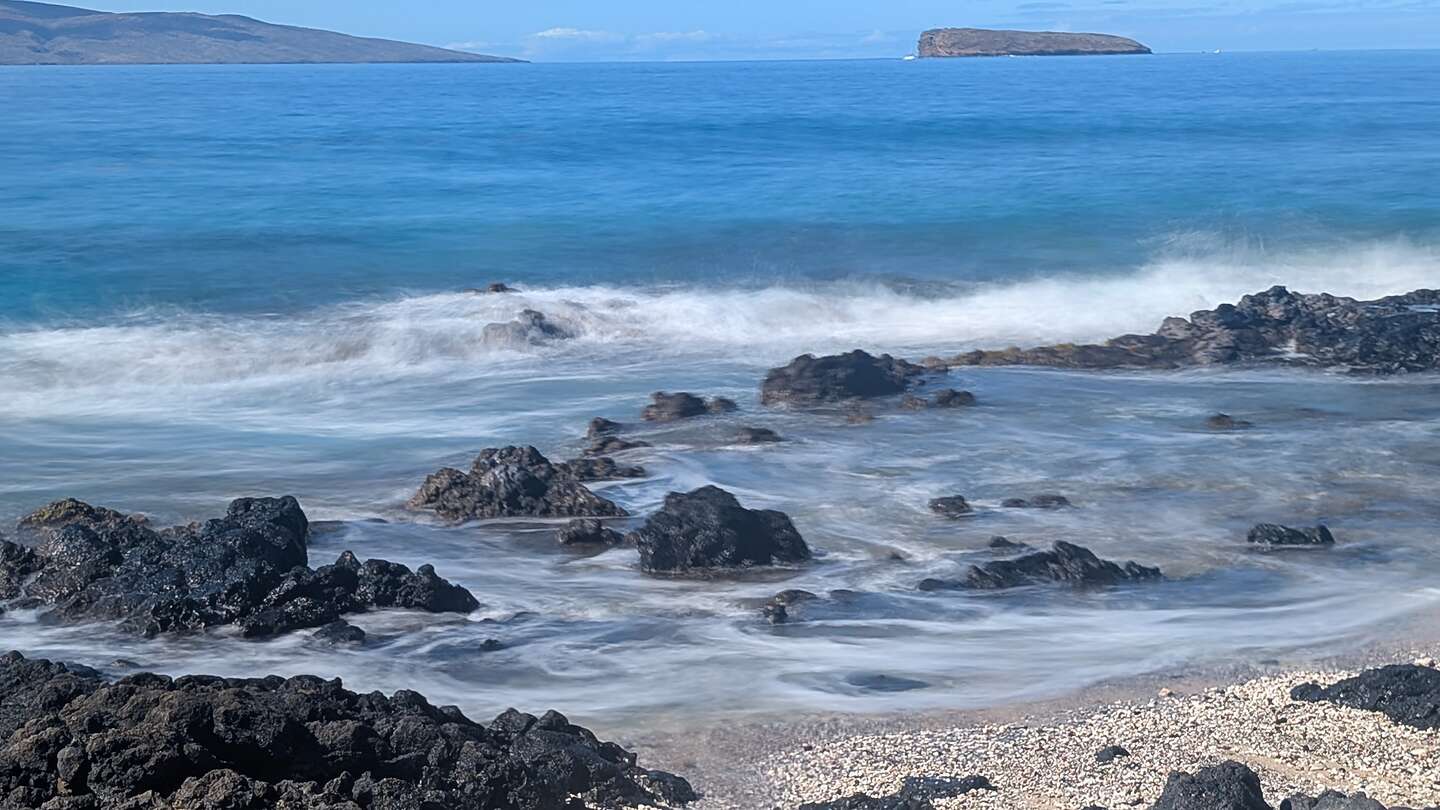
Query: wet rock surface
1221, 422
1390, 335
1406, 693
249, 568
753, 435
599, 468
1045, 501
588, 532
1065, 563
529, 328
951, 506
510, 482
1272, 534
708, 529
951, 398
810, 380
665, 407
74, 741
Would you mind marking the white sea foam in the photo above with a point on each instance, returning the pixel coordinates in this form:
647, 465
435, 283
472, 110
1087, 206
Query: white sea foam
439, 333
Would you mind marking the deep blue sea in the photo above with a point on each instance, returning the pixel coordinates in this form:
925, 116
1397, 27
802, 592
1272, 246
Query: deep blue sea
223, 281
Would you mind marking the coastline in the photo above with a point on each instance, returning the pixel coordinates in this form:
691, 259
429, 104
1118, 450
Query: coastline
1041, 754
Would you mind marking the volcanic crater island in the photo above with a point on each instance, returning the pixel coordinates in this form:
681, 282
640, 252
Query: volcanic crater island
949, 42
47, 34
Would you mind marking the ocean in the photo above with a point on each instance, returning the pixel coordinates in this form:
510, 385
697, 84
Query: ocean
228, 281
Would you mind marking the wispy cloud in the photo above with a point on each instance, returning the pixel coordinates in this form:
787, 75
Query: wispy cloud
578, 35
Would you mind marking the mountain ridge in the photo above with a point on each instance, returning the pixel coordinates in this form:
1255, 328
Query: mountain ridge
33, 33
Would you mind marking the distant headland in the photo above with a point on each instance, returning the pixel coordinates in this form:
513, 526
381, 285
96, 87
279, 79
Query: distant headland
939, 42
47, 34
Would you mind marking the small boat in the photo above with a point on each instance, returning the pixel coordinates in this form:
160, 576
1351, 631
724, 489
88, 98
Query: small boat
909, 57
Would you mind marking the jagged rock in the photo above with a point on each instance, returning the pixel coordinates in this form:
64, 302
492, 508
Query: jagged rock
952, 506
588, 532
1046, 501
709, 529
340, 632
1065, 563
302, 743
951, 398
777, 610
529, 328
1390, 335
915, 794
1110, 753
1224, 421
601, 468
600, 426
810, 380
249, 569
70, 511
1271, 534
1406, 693
1332, 800
1004, 544
510, 482
1227, 786
673, 407
753, 435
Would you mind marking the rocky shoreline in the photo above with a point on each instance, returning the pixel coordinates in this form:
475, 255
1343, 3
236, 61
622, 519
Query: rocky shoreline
79, 742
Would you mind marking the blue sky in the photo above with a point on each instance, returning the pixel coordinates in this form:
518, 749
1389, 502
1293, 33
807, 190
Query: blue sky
585, 30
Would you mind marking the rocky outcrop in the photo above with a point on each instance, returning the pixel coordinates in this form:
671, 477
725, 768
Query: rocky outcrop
588, 532
1064, 563
810, 380
528, 329
665, 407
708, 529
1390, 335
510, 482
1406, 693
946, 42
72, 740
249, 569
1272, 534
1227, 786
599, 468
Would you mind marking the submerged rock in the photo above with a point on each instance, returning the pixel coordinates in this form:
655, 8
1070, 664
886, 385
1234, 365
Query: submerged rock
601, 468
529, 328
708, 529
148, 741
665, 407
951, 506
951, 398
1046, 501
510, 482
340, 632
1390, 335
1272, 534
600, 426
1406, 693
249, 569
1227, 786
1224, 421
753, 435
1065, 563
588, 532
777, 609
810, 380
607, 445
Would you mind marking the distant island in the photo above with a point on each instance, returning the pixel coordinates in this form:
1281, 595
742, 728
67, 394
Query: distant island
46, 34
984, 42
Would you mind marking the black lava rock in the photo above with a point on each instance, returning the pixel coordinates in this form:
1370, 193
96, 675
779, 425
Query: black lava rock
1271, 534
709, 529
1406, 693
1227, 786
810, 380
1110, 753
1332, 800
249, 568
753, 435
915, 794
607, 445
951, 506
1065, 563
510, 482
1046, 501
673, 407
951, 398
601, 468
588, 532
340, 632
149, 741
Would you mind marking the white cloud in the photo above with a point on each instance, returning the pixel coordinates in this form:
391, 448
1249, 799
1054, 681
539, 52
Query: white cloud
676, 36
577, 35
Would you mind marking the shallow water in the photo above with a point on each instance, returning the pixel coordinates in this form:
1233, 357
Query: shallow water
255, 290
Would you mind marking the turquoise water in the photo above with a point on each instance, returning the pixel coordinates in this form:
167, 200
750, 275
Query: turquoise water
248, 280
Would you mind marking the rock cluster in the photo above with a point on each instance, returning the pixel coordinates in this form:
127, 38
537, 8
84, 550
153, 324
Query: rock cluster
708, 529
1065, 563
1406, 693
666, 407
1395, 334
511, 482
810, 380
72, 741
1272, 534
249, 568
